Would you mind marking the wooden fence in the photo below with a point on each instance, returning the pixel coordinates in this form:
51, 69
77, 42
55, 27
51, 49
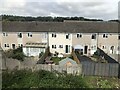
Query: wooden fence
75, 56
42, 58
74, 69
85, 68
100, 69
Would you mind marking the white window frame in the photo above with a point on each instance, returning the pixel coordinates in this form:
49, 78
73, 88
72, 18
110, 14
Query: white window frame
78, 35
103, 47
6, 45
5, 34
54, 46
60, 46
67, 35
119, 36
19, 34
94, 35
54, 35
105, 35
29, 34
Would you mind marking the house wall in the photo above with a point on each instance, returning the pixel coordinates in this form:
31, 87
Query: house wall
60, 39
112, 40
37, 37
85, 40
12, 38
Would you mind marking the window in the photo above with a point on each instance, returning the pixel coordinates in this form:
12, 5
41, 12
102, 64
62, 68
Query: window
112, 48
118, 48
60, 46
54, 35
29, 34
13, 46
105, 35
20, 45
93, 47
103, 47
6, 45
20, 35
79, 35
119, 37
54, 46
93, 36
67, 36
5, 34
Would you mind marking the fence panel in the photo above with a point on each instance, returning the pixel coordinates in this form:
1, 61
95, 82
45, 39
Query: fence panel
113, 69
100, 69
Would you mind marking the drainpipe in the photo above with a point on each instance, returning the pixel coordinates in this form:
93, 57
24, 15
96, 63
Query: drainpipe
47, 39
97, 39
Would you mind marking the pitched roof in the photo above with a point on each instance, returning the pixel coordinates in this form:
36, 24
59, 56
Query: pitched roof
64, 61
73, 27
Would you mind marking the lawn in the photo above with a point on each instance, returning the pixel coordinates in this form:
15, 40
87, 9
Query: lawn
40, 79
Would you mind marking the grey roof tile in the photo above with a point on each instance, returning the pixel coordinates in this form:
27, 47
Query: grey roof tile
73, 27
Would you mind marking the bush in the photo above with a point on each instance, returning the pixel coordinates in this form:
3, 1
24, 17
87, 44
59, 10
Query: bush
46, 79
16, 54
40, 54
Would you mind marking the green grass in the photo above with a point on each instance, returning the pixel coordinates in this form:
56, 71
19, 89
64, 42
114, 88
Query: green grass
39, 79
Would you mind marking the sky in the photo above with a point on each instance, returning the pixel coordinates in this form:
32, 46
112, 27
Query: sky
98, 9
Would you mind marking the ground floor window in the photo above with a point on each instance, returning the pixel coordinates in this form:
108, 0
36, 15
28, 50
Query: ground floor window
54, 46
112, 49
6, 45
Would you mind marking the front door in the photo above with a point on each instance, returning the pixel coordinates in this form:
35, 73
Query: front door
66, 49
13, 46
85, 49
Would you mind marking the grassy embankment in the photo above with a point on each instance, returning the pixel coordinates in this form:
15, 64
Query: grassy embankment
39, 79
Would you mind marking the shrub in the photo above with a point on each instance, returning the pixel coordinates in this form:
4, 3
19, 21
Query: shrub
15, 54
40, 54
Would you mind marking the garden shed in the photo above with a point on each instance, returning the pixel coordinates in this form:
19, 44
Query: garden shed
67, 61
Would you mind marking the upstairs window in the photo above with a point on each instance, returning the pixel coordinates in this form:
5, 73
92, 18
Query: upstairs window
105, 35
29, 34
20, 35
93, 36
5, 34
119, 37
54, 35
79, 35
67, 36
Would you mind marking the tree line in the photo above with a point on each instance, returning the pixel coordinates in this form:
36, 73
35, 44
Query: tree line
46, 18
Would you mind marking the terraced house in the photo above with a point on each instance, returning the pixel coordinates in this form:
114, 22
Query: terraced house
85, 36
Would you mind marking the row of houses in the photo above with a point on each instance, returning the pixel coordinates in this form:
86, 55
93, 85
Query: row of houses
61, 37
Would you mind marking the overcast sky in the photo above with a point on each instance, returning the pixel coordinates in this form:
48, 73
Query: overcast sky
100, 9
